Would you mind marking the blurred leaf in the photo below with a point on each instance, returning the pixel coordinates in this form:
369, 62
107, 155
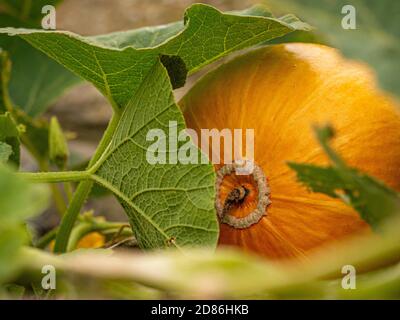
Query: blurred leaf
376, 39
58, 147
5, 69
168, 205
117, 68
19, 200
5, 152
370, 197
36, 80
14, 291
9, 135
230, 274
36, 135
12, 239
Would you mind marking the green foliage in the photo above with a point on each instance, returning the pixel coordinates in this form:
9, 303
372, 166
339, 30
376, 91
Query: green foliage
370, 197
117, 68
5, 152
167, 204
121, 63
36, 135
229, 274
5, 69
36, 81
58, 147
9, 135
376, 39
171, 205
18, 201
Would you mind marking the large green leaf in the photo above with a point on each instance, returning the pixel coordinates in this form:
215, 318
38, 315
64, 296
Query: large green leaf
370, 197
167, 204
36, 81
375, 40
117, 64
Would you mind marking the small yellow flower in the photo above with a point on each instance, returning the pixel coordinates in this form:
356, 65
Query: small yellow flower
91, 240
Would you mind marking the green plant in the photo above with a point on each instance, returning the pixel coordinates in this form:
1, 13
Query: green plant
169, 205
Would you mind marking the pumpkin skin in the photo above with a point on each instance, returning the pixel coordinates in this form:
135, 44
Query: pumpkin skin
281, 92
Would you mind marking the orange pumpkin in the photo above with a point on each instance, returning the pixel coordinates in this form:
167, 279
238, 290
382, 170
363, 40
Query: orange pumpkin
281, 92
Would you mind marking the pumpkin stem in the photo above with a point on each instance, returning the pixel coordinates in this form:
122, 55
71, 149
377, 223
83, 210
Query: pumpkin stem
238, 195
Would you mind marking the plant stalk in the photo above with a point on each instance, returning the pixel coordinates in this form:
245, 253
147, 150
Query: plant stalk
82, 191
55, 177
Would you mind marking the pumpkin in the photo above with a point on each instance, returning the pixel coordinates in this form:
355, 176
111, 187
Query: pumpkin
281, 92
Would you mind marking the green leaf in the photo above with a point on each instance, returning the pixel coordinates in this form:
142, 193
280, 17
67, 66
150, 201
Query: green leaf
58, 147
375, 40
36, 81
5, 69
5, 152
19, 200
9, 134
14, 291
116, 64
370, 197
167, 204
36, 135
11, 240
147, 37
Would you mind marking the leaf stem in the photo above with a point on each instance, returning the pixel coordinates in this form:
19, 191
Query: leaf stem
45, 240
82, 191
54, 177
